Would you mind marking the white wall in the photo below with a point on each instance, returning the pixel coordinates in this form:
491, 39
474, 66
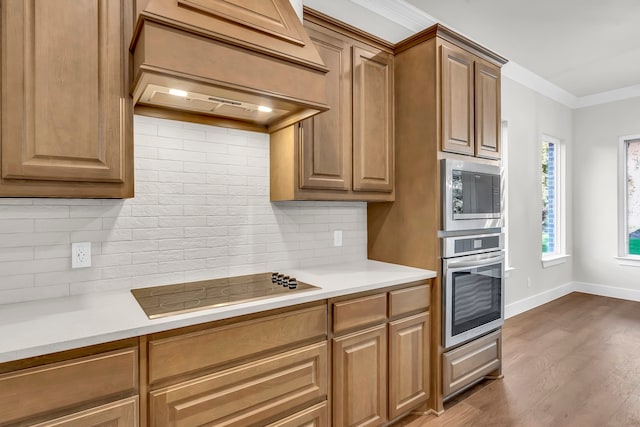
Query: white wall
596, 131
529, 115
201, 211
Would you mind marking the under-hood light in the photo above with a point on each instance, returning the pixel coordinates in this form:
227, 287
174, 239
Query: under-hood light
264, 109
178, 92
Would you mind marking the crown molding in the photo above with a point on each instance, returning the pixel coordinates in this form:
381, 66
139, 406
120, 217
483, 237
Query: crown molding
400, 12
413, 19
608, 96
531, 80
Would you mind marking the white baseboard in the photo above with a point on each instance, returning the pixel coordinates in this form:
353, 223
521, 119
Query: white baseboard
534, 301
607, 291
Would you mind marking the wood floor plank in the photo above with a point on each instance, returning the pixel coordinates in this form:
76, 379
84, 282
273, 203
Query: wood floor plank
572, 362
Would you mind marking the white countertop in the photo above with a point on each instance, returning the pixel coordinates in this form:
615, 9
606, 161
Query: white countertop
40, 327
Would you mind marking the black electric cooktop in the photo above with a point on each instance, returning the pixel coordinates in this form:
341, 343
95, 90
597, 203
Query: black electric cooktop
162, 301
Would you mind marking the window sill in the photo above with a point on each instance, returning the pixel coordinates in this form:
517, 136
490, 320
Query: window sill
628, 261
507, 271
551, 260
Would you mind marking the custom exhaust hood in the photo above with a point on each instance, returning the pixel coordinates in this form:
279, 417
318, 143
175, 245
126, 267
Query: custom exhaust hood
248, 63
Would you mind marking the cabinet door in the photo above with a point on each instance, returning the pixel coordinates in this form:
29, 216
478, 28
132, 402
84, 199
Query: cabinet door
123, 413
373, 161
65, 103
487, 114
360, 378
326, 138
408, 363
457, 101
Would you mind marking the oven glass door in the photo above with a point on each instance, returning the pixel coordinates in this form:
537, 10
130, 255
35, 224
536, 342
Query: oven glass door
474, 296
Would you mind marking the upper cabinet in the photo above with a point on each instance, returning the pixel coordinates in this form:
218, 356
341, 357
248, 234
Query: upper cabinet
66, 113
346, 153
470, 91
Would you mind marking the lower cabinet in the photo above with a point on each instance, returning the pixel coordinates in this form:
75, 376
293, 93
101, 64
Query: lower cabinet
270, 369
246, 394
360, 378
380, 355
123, 413
316, 416
73, 391
408, 363
468, 363
256, 370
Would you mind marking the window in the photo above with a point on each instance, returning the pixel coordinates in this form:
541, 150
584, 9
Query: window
553, 196
630, 197
550, 195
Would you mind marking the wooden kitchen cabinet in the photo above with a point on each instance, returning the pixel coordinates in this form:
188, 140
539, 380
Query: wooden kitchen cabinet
381, 361
67, 117
470, 91
346, 153
246, 394
447, 101
123, 413
360, 378
253, 370
471, 362
409, 340
80, 387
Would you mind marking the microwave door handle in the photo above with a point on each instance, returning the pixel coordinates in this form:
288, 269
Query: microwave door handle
476, 263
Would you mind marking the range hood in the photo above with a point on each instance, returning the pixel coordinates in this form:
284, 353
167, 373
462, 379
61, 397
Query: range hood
248, 63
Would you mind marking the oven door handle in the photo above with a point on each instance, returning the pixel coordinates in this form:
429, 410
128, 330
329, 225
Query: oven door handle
478, 262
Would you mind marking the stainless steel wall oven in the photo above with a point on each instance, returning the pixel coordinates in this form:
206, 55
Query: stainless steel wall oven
473, 286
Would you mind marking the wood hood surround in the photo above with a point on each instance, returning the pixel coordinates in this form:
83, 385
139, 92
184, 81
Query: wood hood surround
230, 56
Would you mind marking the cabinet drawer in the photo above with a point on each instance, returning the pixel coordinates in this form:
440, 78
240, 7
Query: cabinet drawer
35, 391
191, 352
470, 362
359, 312
246, 394
123, 413
407, 300
316, 416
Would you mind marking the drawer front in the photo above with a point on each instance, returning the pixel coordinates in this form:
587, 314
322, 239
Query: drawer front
35, 391
409, 300
123, 413
470, 362
316, 416
246, 394
191, 352
360, 312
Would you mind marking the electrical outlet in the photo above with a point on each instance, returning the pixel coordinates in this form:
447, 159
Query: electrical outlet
81, 255
529, 282
337, 238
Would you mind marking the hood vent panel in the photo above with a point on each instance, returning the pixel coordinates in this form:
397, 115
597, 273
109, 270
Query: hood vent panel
230, 56
266, 16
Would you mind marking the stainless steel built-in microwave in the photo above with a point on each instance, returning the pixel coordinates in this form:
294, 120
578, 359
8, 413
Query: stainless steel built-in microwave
472, 195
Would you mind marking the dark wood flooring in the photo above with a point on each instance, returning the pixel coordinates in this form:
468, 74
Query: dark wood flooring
572, 362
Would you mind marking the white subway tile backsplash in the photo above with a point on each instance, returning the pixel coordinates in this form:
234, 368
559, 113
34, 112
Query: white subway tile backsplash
17, 281
201, 211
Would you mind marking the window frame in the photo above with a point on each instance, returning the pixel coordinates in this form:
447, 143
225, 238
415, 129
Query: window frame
624, 258
559, 255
